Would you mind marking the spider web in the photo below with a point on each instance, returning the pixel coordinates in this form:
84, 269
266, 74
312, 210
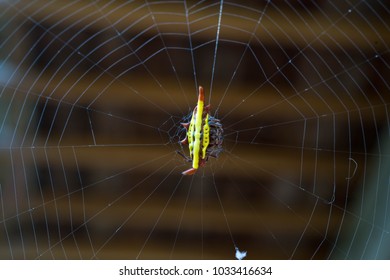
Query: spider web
93, 94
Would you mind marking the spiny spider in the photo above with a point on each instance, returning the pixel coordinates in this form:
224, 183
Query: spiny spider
204, 136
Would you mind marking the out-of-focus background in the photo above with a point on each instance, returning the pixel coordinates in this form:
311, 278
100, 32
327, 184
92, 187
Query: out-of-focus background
93, 94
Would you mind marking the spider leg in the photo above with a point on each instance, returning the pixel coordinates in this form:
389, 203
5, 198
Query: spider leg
185, 140
188, 159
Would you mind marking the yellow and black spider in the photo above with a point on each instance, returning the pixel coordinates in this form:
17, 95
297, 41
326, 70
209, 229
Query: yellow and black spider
204, 136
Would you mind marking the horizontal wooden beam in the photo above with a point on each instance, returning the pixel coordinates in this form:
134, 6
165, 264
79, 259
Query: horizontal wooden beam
142, 213
104, 92
284, 27
247, 161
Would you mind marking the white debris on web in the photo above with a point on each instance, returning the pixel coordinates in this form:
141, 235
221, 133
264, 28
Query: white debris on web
240, 254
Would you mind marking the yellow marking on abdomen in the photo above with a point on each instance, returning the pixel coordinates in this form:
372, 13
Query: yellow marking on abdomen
198, 129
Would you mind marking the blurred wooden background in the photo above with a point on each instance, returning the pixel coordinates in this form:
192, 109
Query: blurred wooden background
77, 101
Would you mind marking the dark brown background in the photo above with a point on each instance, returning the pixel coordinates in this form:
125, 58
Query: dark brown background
91, 105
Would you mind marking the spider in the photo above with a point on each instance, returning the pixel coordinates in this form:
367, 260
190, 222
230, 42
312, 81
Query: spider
204, 136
